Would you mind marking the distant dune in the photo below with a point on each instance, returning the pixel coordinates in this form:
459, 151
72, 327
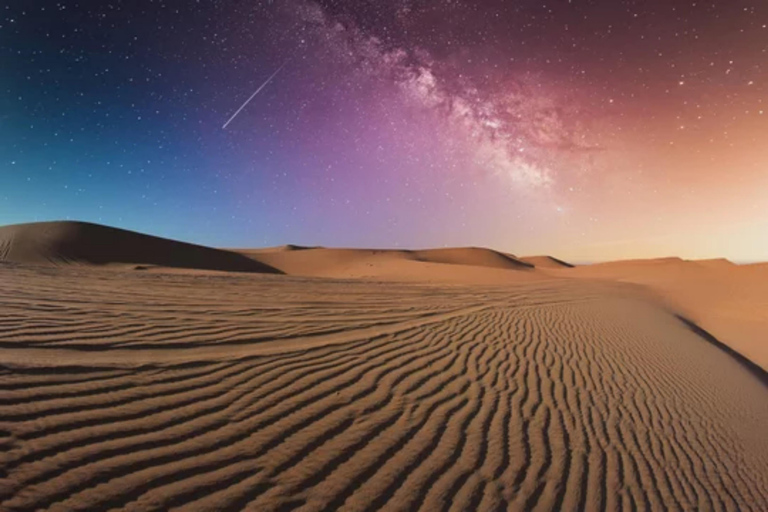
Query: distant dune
716, 262
475, 256
279, 248
452, 265
667, 261
670, 260
66, 242
546, 262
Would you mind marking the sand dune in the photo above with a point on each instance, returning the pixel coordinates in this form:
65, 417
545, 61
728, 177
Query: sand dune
456, 265
716, 263
139, 391
475, 256
546, 262
67, 242
728, 300
279, 248
499, 386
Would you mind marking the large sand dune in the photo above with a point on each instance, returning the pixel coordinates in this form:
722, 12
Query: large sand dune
66, 242
124, 390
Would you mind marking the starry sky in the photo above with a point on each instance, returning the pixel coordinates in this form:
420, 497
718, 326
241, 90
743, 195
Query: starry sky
586, 129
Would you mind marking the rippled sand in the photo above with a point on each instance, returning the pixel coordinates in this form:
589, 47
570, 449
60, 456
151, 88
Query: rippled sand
152, 391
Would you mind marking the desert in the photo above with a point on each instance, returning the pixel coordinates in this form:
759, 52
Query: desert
383, 256
346, 379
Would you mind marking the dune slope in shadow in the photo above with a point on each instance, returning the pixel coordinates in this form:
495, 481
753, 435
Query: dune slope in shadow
66, 242
546, 262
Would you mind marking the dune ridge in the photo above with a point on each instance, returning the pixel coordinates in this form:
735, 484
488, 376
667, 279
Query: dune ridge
546, 262
462, 264
476, 256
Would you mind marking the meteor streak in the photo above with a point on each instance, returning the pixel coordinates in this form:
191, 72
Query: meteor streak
254, 95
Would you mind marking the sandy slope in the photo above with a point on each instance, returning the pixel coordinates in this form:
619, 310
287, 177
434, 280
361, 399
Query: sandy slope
730, 301
453, 265
66, 242
149, 391
546, 262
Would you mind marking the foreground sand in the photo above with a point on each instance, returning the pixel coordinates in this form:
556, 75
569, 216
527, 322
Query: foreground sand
130, 390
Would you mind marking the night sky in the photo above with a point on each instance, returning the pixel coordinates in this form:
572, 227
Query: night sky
586, 129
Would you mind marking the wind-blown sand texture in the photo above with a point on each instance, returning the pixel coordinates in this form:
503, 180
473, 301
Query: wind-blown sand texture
730, 301
129, 390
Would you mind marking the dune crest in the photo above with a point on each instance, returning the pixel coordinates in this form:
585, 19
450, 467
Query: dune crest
546, 262
474, 256
457, 265
716, 263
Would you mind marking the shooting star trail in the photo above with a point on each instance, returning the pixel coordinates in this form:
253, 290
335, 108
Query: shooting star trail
254, 95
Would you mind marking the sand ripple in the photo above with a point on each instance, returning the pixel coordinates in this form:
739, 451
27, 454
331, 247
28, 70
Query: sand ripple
132, 391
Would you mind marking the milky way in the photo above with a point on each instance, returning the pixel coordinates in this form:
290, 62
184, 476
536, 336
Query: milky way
511, 129
589, 130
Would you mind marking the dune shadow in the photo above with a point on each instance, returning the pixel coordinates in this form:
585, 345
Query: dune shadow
65, 242
561, 262
750, 366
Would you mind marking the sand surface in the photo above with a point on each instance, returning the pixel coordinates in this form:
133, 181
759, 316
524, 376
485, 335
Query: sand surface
129, 390
451, 379
729, 301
